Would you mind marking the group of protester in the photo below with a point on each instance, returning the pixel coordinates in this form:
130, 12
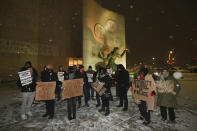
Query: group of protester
166, 101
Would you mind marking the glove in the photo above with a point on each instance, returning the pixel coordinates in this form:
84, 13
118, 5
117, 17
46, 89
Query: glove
153, 93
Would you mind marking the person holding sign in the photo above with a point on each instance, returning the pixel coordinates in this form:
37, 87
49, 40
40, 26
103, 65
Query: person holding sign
48, 75
106, 79
146, 90
80, 74
71, 102
27, 82
89, 78
168, 88
62, 75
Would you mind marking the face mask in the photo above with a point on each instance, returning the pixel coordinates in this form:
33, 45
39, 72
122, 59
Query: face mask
166, 75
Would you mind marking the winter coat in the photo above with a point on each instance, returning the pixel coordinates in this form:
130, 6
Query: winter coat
122, 79
48, 75
78, 74
168, 99
149, 77
87, 74
30, 87
106, 79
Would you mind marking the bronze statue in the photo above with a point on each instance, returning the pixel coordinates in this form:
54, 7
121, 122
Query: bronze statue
109, 60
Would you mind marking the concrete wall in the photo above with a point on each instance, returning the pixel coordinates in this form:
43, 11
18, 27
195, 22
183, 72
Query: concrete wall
41, 31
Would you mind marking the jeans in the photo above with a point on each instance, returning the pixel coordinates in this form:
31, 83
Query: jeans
144, 110
86, 90
28, 98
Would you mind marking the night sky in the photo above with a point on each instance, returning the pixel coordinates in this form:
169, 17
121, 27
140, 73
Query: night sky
153, 27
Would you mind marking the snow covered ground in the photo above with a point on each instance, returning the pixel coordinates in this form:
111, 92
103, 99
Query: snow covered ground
89, 119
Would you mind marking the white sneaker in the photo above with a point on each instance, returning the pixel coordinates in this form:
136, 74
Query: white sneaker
23, 117
29, 113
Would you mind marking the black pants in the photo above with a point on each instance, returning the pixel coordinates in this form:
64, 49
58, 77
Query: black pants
58, 91
50, 107
117, 91
144, 110
105, 102
123, 97
171, 113
71, 106
79, 99
98, 98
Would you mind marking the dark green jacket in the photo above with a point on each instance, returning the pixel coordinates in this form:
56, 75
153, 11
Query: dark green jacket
169, 99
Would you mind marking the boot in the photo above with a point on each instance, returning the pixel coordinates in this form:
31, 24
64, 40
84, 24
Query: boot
97, 105
51, 116
45, 115
120, 105
87, 105
125, 109
146, 122
141, 118
107, 112
102, 109
69, 118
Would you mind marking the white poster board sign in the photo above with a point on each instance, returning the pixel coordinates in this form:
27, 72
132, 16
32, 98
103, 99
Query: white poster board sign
25, 77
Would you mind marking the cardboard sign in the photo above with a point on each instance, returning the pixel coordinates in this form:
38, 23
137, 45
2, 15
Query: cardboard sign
165, 86
45, 90
141, 90
72, 88
98, 87
25, 77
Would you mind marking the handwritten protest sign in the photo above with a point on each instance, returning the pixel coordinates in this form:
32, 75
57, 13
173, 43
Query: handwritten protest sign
165, 86
25, 77
141, 90
45, 90
98, 87
72, 88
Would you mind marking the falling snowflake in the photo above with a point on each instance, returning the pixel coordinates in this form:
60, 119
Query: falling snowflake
162, 12
50, 40
118, 5
171, 37
137, 19
73, 18
131, 6
177, 25
74, 26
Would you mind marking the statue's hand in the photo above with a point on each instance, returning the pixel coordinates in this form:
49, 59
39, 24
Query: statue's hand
127, 50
